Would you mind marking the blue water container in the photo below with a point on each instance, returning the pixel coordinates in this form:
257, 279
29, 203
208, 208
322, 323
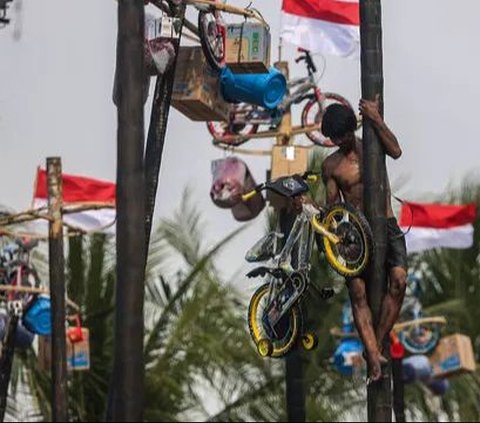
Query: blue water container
262, 89
342, 357
417, 367
37, 318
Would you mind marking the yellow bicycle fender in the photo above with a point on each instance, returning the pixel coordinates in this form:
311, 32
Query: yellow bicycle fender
321, 229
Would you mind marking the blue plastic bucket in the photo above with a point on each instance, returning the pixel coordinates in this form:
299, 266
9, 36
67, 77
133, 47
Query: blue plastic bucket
38, 318
342, 357
263, 89
415, 368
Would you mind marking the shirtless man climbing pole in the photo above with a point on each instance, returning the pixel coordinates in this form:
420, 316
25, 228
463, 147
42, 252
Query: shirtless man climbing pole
342, 174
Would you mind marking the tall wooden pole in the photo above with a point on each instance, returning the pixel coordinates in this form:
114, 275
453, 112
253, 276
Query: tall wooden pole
126, 399
6, 359
375, 190
294, 380
158, 129
57, 290
398, 390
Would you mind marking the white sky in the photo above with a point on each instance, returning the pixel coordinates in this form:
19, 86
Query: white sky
55, 99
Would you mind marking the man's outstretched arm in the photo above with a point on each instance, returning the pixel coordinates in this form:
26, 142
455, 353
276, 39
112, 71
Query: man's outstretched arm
370, 109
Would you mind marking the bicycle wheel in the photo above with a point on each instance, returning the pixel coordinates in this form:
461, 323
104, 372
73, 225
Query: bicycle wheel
312, 114
420, 339
309, 341
350, 256
28, 279
226, 132
212, 39
288, 328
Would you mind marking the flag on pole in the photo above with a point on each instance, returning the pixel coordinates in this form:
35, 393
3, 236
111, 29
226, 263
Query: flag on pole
322, 26
437, 225
80, 190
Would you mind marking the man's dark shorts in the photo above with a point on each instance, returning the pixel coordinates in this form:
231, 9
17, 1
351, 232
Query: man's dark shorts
396, 246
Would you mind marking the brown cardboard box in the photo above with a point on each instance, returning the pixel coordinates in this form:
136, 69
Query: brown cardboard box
78, 354
247, 47
453, 356
286, 161
196, 90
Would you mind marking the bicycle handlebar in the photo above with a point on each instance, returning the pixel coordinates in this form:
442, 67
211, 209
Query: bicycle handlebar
308, 58
307, 176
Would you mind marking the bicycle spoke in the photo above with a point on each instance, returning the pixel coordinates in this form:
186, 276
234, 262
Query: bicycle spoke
345, 217
342, 261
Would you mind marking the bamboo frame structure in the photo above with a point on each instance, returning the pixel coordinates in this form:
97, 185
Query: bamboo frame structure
426, 320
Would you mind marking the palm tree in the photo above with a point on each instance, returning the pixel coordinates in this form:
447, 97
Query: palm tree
200, 363
451, 289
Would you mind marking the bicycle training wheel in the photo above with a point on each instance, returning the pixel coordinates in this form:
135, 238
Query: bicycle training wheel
287, 328
349, 257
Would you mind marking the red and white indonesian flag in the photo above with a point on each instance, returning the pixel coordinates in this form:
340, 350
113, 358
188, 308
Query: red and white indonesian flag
80, 190
437, 225
323, 26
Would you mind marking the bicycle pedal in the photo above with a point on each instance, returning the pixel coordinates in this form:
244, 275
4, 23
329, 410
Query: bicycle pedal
259, 271
327, 293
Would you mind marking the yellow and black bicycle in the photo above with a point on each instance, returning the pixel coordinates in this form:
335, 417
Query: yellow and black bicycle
275, 318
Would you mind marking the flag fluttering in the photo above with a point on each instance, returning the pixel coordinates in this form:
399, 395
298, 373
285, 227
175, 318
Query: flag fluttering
80, 190
438, 225
322, 26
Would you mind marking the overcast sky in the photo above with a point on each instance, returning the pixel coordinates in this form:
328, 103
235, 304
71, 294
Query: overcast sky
55, 99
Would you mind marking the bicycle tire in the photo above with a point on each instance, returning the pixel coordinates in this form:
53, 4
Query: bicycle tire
336, 254
316, 136
281, 347
214, 59
27, 272
225, 135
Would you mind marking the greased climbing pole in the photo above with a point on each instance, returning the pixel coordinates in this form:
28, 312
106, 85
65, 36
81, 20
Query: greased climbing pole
158, 125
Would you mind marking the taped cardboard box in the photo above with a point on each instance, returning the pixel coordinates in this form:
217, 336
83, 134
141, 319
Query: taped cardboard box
286, 161
247, 47
453, 356
196, 90
78, 353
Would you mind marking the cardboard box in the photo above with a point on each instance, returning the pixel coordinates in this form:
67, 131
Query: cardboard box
247, 47
286, 161
453, 356
78, 354
196, 90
